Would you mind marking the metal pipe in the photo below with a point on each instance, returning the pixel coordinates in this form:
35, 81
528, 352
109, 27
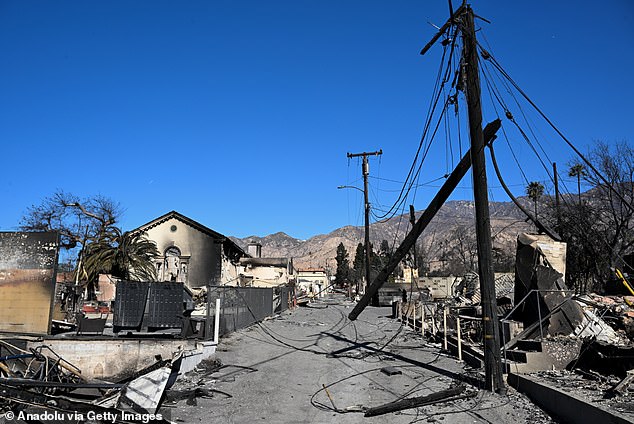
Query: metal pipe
539, 312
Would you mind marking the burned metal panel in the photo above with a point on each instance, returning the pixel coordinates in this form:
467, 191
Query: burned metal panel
129, 305
539, 283
28, 265
605, 358
150, 305
165, 306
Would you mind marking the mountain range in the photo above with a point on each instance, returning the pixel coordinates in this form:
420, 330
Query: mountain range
452, 225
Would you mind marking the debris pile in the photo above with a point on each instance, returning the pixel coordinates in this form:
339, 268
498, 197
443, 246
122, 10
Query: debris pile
607, 391
545, 326
39, 385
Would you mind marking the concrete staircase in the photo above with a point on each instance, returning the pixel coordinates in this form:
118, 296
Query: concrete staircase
524, 357
527, 356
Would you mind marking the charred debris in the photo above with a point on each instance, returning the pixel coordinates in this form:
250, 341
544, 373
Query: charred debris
530, 321
117, 361
580, 345
37, 385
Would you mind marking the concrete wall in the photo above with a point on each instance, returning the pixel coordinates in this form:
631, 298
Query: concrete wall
107, 288
117, 358
554, 251
408, 273
28, 263
440, 287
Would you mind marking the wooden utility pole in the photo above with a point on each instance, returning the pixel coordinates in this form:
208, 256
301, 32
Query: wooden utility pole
414, 269
474, 158
412, 220
490, 324
557, 197
366, 172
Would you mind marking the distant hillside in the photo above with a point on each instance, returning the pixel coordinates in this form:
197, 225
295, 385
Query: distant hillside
319, 251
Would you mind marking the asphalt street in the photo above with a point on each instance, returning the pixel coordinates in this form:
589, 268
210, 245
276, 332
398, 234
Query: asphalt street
314, 365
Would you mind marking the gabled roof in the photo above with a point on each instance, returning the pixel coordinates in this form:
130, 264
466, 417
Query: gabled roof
190, 222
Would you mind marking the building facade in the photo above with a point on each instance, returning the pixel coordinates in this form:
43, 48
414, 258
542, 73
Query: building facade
192, 253
313, 281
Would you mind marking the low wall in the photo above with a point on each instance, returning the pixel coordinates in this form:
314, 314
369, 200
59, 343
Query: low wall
565, 407
113, 359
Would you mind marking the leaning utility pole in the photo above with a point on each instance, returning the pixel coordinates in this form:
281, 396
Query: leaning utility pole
490, 324
366, 172
428, 214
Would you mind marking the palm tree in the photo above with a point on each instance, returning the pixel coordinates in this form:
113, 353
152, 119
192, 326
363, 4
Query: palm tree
535, 190
577, 170
129, 256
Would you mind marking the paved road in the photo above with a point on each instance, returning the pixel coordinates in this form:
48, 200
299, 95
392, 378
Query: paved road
276, 372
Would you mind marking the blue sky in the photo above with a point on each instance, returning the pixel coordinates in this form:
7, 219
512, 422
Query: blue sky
239, 114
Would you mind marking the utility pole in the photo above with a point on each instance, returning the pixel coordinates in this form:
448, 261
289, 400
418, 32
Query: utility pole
473, 158
492, 358
428, 214
557, 197
412, 220
414, 271
366, 172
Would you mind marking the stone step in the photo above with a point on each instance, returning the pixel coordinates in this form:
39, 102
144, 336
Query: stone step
529, 345
518, 355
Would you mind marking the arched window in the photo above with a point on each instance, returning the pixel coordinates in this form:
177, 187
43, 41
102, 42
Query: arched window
172, 264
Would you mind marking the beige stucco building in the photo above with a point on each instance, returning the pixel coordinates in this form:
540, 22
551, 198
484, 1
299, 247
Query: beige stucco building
313, 281
257, 271
192, 253
266, 272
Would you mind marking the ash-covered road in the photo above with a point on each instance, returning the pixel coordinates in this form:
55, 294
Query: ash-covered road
313, 365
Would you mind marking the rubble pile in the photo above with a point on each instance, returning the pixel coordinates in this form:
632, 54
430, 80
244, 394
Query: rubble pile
593, 387
198, 383
611, 317
39, 385
40, 364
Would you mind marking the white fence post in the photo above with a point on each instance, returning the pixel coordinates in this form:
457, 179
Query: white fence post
444, 324
217, 322
459, 338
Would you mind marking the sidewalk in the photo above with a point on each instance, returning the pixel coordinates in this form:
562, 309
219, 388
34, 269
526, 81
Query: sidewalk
276, 371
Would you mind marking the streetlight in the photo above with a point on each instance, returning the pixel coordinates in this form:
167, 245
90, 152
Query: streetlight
367, 232
346, 186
